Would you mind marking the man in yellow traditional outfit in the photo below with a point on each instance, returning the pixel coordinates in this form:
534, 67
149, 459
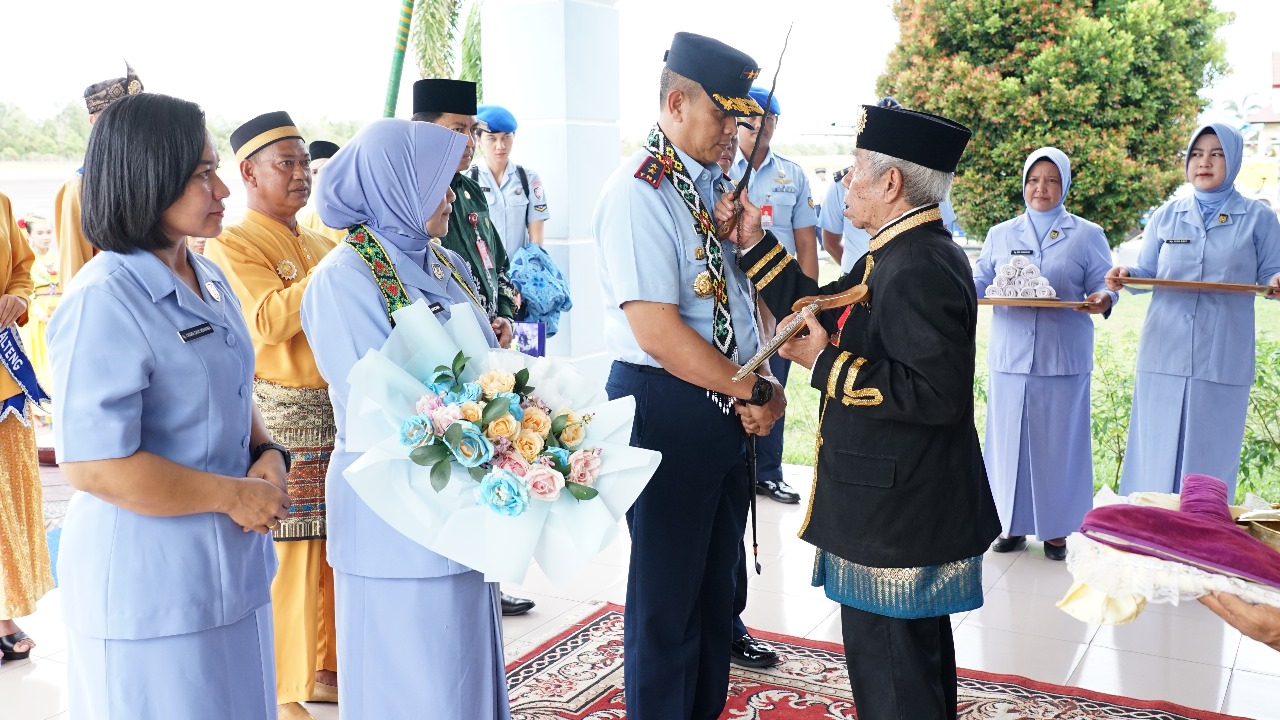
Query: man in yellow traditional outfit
321, 151
74, 250
268, 259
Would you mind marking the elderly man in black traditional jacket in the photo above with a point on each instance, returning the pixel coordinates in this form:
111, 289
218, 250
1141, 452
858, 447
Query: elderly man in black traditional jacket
900, 511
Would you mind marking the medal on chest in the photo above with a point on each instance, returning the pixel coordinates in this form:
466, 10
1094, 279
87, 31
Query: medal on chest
213, 291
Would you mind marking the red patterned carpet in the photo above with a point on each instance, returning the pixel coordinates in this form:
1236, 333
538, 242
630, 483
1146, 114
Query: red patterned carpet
577, 675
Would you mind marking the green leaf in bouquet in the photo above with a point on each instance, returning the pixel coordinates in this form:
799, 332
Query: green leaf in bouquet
453, 434
558, 424
440, 475
459, 363
551, 441
496, 408
522, 378
526, 391
429, 454
580, 491
477, 473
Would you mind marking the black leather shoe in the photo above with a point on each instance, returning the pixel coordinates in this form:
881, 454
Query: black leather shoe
749, 652
1056, 552
1009, 544
778, 490
515, 605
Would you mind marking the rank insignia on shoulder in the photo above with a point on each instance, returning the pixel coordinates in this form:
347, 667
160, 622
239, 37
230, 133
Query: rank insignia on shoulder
539, 208
840, 174
651, 171
810, 201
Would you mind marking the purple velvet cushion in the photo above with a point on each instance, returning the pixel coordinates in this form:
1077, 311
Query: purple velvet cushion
1201, 533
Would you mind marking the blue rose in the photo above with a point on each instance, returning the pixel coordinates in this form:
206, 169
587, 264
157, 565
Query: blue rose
470, 393
516, 411
503, 492
473, 448
439, 388
417, 431
559, 454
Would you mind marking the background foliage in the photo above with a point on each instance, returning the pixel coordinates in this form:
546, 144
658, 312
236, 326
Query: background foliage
1112, 83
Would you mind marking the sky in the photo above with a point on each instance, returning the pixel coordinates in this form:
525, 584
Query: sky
331, 58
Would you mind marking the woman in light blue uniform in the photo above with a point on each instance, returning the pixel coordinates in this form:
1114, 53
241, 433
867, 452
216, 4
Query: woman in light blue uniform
417, 632
166, 593
1196, 354
1039, 448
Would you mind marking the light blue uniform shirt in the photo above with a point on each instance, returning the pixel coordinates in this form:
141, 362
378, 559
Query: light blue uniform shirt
1207, 336
1046, 341
783, 187
126, 381
508, 204
344, 316
649, 250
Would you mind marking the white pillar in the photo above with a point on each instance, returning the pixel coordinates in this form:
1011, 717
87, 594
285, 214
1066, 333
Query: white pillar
554, 65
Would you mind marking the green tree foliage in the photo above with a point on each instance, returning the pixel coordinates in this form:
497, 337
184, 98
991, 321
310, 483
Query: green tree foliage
61, 137
435, 25
1113, 83
471, 65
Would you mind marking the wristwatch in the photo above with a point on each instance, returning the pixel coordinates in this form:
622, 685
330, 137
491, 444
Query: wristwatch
761, 392
288, 457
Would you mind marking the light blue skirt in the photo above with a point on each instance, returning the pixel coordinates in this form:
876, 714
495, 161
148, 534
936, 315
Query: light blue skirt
419, 648
216, 674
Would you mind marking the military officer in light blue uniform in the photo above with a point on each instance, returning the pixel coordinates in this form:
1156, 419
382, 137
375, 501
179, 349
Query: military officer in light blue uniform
1196, 353
844, 242
417, 632
679, 321
1039, 451
166, 593
517, 202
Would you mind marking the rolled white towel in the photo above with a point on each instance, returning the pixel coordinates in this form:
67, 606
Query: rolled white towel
1030, 271
1008, 271
1018, 262
1044, 291
1042, 280
1027, 292
1002, 282
1018, 283
994, 291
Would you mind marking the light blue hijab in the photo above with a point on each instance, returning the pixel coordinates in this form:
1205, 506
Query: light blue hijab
1210, 201
390, 178
1042, 220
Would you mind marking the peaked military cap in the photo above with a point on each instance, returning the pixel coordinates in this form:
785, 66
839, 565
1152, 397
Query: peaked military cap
724, 73
261, 131
321, 149
99, 95
444, 96
919, 137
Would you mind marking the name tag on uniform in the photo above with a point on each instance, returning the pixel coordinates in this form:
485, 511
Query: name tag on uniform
485, 257
766, 216
1020, 252
436, 308
195, 333
1180, 241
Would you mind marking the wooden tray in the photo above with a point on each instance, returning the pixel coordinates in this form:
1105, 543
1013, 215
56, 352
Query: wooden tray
1197, 286
1034, 302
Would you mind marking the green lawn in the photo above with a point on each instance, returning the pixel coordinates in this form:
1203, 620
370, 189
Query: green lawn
1121, 330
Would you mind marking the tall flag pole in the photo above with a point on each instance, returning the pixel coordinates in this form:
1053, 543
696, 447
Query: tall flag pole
397, 58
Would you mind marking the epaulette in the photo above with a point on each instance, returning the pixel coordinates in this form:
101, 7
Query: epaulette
651, 171
840, 174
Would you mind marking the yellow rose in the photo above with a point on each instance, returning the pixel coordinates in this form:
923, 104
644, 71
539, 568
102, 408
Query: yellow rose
571, 416
471, 412
505, 426
529, 444
496, 381
535, 420
573, 434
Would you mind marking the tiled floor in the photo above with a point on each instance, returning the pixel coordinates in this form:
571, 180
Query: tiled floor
1181, 654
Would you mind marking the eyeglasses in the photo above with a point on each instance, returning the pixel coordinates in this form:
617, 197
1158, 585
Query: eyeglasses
473, 131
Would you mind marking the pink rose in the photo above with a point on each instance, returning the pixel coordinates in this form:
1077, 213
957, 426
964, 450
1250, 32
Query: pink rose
445, 415
428, 403
544, 483
511, 462
584, 466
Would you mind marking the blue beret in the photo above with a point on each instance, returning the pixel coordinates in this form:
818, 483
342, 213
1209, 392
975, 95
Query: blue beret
760, 95
498, 118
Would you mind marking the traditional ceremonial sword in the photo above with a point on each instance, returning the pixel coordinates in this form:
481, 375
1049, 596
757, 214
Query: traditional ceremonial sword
814, 304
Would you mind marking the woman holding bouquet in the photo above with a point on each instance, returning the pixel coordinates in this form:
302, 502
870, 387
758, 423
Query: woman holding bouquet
415, 629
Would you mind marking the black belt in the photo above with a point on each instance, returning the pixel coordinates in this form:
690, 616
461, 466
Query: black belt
648, 369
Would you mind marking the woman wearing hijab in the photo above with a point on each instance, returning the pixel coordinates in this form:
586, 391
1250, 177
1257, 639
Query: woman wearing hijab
417, 632
1196, 352
1038, 448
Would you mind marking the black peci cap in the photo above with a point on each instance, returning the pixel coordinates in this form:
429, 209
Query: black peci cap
724, 73
321, 149
261, 131
444, 96
919, 137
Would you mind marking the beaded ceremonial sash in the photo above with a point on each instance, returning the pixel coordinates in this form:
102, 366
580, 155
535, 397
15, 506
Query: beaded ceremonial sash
664, 155
384, 273
301, 419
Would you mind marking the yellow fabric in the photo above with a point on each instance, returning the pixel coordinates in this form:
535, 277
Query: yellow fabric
257, 254
47, 294
16, 259
73, 248
24, 551
1097, 608
310, 218
303, 610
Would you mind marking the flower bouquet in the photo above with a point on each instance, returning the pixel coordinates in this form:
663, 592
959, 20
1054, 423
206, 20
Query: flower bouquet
489, 457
